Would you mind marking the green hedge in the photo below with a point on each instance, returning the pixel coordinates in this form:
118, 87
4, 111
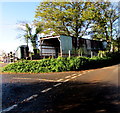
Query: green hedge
62, 64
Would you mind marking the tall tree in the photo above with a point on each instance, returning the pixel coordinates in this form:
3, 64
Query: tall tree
105, 25
29, 35
113, 16
78, 18
63, 17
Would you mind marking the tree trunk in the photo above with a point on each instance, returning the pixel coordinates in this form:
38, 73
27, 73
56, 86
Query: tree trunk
111, 41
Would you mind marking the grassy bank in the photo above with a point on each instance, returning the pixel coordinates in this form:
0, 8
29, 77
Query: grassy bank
62, 64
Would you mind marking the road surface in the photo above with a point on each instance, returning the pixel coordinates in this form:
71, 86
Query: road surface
90, 91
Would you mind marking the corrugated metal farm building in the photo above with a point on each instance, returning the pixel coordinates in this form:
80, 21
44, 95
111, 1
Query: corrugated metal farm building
54, 46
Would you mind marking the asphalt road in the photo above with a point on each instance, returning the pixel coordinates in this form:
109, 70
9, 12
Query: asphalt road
90, 91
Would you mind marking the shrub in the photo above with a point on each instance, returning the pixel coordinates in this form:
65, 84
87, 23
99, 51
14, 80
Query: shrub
62, 64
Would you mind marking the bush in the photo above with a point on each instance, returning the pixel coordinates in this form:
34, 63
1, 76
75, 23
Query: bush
62, 64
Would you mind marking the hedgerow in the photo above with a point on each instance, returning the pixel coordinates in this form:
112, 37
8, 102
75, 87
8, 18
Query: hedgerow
61, 64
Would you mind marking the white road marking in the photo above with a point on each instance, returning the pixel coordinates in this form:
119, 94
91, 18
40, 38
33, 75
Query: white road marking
79, 75
29, 98
73, 77
59, 80
9, 108
45, 90
67, 80
57, 84
74, 74
15, 105
70, 75
67, 76
47, 80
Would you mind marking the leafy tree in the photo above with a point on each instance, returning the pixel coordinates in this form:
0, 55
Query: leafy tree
29, 35
79, 18
63, 18
105, 25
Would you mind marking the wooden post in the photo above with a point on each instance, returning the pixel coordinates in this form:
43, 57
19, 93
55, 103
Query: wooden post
41, 48
91, 54
60, 47
69, 53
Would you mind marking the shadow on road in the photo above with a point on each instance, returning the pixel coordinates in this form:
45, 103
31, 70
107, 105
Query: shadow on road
87, 98
70, 97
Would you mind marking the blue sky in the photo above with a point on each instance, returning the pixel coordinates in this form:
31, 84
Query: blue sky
11, 13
